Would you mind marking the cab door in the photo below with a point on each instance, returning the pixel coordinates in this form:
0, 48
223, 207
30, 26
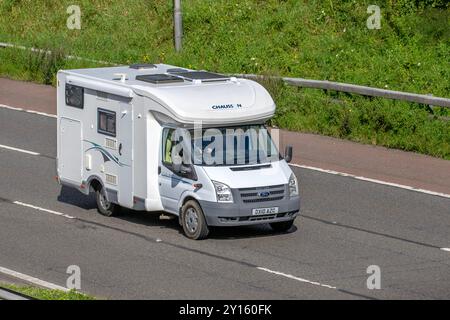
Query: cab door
171, 185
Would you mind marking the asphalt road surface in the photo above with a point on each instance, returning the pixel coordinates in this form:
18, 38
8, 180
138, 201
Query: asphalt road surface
346, 225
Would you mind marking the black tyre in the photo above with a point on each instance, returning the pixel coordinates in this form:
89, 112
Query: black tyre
282, 226
193, 221
105, 207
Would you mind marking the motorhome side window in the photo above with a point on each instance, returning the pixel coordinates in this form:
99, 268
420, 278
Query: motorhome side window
106, 122
74, 96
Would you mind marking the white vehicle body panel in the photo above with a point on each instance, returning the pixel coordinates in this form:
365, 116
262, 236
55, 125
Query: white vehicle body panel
276, 174
129, 164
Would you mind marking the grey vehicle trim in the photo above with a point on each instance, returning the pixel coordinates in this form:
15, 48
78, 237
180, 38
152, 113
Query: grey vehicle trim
74, 185
112, 196
214, 211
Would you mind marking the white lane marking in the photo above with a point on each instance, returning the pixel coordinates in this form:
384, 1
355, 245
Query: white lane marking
296, 278
391, 184
33, 280
42, 209
19, 150
445, 249
28, 111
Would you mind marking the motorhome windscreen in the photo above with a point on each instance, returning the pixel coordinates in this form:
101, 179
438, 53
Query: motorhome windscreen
229, 146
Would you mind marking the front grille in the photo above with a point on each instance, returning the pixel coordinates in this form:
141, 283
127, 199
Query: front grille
262, 199
255, 194
258, 218
262, 194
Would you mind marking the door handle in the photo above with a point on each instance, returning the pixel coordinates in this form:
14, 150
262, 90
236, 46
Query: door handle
120, 149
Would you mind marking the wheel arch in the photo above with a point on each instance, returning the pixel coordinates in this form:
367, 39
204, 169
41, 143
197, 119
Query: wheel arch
93, 183
186, 196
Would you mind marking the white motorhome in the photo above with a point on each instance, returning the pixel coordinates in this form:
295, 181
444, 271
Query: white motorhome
118, 136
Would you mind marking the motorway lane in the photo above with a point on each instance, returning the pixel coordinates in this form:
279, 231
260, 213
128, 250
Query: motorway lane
116, 264
28, 131
41, 245
378, 208
401, 231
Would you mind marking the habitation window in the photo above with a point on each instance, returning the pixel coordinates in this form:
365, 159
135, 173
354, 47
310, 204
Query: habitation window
74, 96
106, 122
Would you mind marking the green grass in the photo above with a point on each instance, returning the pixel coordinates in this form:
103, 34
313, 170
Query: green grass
309, 39
47, 294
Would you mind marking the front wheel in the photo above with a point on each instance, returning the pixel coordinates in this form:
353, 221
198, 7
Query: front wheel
193, 221
105, 207
282, 226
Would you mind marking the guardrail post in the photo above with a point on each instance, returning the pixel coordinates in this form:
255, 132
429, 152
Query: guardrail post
178, 25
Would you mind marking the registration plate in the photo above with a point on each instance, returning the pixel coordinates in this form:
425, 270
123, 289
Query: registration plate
259, 211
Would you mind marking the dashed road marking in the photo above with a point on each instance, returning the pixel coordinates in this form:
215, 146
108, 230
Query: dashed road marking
315, 283
391, 184
445, 249
20, 150
43, 209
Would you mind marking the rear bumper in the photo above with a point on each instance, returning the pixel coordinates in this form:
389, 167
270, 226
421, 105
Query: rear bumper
239, 214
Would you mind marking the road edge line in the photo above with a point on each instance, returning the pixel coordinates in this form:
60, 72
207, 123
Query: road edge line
4, 106
33, 280
385, 183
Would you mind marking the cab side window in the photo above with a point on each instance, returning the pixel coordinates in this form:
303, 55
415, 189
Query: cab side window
167, 146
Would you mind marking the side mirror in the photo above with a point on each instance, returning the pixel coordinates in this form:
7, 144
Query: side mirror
288, 153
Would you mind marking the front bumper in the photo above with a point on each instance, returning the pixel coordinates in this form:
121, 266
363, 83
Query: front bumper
240, 214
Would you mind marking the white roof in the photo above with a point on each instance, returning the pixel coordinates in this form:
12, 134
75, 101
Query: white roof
219, 102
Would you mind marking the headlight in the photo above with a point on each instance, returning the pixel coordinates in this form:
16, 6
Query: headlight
223, 192
293, 186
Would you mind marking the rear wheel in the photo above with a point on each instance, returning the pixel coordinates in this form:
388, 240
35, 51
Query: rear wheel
282, 226
105, 207
193, 221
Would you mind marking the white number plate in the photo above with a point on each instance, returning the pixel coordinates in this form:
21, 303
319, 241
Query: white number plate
259, 211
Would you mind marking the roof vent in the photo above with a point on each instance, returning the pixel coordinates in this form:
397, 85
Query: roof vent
159, 78
139, 66
203, 76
